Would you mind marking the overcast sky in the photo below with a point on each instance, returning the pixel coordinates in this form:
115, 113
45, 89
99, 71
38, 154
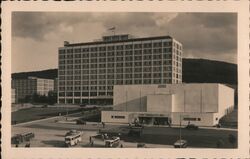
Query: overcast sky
36, 36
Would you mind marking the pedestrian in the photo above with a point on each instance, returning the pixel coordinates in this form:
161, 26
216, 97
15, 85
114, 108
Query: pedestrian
121, 146
27, 145
90, 139
103, 124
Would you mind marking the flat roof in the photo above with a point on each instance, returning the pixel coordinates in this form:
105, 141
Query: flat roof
118, 41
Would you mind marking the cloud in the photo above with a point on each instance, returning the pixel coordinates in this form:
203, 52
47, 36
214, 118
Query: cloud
203, 35
36, 25
210, 32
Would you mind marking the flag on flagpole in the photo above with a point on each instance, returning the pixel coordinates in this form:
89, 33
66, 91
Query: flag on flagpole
112, 28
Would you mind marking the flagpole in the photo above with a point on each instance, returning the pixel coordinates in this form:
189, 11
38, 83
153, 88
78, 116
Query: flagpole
112, 29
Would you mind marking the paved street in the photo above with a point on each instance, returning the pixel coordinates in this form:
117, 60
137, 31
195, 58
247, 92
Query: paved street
50, 133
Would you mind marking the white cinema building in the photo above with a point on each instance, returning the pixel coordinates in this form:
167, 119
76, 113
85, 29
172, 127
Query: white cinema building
200, 104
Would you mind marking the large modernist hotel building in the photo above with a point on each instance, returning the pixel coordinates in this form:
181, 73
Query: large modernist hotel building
88, 71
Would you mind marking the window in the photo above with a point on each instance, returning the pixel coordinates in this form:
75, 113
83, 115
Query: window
129, 53
128, 64
128, 75
111, 53
157, 44
128, 46
119, 53
129, 58
93, 60
138, 75
85, 94
128, 70
93, 49
147, 51
77, 94
138, 52
119, 47
166, 44
191, 119
118, 117
146, 81
111, 48
119, 64
138, 64
147, 45
128, 81
138, 57
138, 46
119, 58
147, 69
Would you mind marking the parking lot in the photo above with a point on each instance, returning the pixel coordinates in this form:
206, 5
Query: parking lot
51, 132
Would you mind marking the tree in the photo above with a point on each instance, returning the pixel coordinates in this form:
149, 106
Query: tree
219, 143
232, 139
52, 97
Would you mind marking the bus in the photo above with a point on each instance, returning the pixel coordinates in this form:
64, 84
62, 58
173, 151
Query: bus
112, 142
20, 138
73, 139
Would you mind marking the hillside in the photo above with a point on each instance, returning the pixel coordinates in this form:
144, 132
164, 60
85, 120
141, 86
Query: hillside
49, 74
208, 71
194, 71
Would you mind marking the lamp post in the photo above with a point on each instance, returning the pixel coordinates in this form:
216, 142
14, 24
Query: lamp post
180, 126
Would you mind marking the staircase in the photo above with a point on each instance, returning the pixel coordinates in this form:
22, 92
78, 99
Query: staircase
230, 120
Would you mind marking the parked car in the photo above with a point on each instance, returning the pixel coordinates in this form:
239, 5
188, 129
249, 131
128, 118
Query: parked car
218, 125
71, 132
180, 144
192, 127
141, 145
80, 121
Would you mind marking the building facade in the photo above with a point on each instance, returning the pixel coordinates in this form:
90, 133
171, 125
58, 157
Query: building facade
32, 85
88, 71
13, 95
199, 104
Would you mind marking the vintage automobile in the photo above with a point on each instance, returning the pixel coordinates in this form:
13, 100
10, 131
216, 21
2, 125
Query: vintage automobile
180, 144
192, 127
20, 138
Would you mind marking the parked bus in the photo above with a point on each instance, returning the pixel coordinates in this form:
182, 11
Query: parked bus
112, 142
20, 138
73, 139
103, 140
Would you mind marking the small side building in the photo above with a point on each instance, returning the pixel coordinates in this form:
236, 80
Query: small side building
13, 95
199, 104
30, 86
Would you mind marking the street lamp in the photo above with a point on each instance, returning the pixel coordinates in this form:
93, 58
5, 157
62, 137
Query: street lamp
180, 127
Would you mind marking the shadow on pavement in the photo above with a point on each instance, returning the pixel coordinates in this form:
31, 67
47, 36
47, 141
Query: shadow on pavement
55, 143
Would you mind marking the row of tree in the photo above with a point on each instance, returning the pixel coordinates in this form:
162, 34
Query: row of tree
43, 99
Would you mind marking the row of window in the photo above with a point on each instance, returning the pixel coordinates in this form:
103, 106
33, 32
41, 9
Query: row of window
86, 94
119, 47
112, 82
121, 76
120, 66
101, 72
112, 69
118, 53
113, 59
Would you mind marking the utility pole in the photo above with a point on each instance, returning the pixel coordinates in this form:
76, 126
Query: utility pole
184, 101
180, 126
201, 101
126, 100
140, 101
